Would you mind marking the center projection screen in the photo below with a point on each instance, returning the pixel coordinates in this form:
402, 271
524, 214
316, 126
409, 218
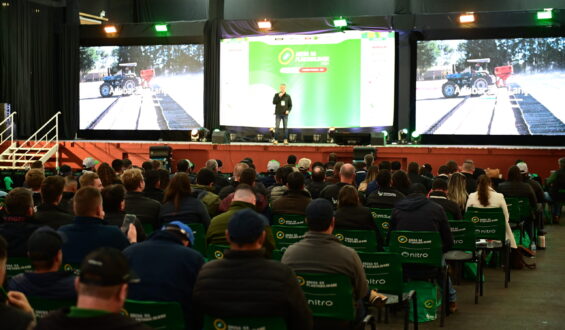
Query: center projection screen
342, 79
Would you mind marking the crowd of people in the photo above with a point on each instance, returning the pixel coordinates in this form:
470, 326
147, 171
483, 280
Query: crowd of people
127, 229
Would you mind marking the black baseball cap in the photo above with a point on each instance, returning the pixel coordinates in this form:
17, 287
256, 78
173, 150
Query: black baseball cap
44, 244
106, 267
246, 226
319, 209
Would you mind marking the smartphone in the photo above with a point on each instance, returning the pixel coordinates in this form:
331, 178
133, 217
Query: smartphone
128, 219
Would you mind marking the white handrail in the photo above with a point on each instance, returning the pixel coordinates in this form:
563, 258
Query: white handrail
44, 139
10, 127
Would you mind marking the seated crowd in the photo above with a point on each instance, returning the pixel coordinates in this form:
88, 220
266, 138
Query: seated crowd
131, 233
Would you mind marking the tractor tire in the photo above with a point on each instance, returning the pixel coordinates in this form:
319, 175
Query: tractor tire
128, 87
450, 89
106, 90
480, 86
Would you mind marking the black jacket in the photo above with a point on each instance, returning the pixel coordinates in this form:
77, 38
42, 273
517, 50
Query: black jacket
557, 185
292, 202
112, 321
471, 182
16, 231
417, 178
155, 194
448, 206
53, 216
51, 285
279, 108
518, 189
67, 202
13, 318
384, 198
146, 209
356, 218
245, 284
315, 188
331, 193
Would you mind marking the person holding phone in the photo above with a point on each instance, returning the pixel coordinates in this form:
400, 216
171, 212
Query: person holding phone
283, 106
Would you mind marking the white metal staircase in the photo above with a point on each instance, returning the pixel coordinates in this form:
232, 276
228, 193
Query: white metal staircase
41, 145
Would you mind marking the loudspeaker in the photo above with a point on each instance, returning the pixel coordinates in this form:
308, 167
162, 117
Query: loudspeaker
315, 138
220, 137
360, 152
160, 152
352, 139
378, 139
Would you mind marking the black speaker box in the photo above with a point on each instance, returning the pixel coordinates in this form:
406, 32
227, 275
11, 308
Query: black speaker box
352, 139
378, 139
160, 152
220, 137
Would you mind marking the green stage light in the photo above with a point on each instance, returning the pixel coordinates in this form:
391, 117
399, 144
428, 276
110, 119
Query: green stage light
161, 28
340, 22
545, 14
415, 135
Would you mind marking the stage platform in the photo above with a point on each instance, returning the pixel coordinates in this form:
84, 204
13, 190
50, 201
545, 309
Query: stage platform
540, 159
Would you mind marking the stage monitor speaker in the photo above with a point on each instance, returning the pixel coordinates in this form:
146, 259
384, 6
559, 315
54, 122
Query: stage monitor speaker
378, 139
220, 137
352, 139
315, 137
159, 152
360, 152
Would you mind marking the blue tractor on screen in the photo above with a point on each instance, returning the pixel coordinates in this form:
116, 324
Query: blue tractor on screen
475, 79
125, 82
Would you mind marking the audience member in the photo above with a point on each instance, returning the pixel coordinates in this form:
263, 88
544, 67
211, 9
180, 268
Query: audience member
401, 182
180, 204
515, 187
452, 167
291, 160
167, 267
426, 170
47, 280
127, 164
220, 181
248, 177
164, 178
118, 166
369, 159
277, 190
457, 191
468, 170
268, 178
49, 212
15, 311
415, 177
113, 201
536, 186
90, 179
438, 194
89, 164
443, 173
89, 231
369, 184
107, 175
265, 288
33, 180
237, 170
295, 199
384, 197
65, 171
556, 183
304, 168
347, 177
395, 166
153, 185
203, 190
147, 166
146, 209
317, 184
385, 165
102, 289
18, 222
69, 190
360, 172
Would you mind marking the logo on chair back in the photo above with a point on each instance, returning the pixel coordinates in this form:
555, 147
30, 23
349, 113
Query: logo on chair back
475, 219
219, 324
300, 280
339, 237
280, 234
402, 239
124, 312
218, 254
374, 214
282, 221
385, 225
429, 303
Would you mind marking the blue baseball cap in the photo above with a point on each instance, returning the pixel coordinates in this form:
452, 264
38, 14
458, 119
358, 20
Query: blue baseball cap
246, 226
182, 228
319, 209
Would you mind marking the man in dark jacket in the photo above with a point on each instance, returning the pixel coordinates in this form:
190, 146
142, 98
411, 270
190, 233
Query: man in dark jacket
516, 187
245, 284
346, 177
283, 106
415, 177
153, 186
237, 171
295, 199
166, 265
47, 280
317, 184
18, 223
102, 290
204, 191
69, 190
556, 182
89, 231
113, 197
146, 209
49, 212
468, 170
439, 195
384, 197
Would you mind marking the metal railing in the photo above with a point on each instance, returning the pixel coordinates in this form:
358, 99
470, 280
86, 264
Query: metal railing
9, 128
41, 144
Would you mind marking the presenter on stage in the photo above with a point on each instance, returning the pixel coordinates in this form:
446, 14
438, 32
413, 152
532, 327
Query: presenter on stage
283, 105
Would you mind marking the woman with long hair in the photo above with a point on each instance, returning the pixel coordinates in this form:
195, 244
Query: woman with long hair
486, 197
457, 190
180, 204
401, 182
371, 176
107, 175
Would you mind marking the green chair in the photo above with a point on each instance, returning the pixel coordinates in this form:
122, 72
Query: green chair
42, 307
287, 235
490, 224
289, 219
465, 250
515, 216
15, 266
360, 240
148, 228
382, 220
247, 323
384, 274
216, 251
277, 255
199, 237
422, 248
156, 314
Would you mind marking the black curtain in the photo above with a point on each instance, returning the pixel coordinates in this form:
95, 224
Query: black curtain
212, 65
69, 70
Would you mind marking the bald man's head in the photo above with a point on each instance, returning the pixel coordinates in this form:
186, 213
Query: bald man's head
244, 193
347, 173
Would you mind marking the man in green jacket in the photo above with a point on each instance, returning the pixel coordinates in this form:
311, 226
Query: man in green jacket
203, 190
244, 198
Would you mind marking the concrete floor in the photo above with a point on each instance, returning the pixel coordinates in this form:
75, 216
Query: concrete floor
535, 299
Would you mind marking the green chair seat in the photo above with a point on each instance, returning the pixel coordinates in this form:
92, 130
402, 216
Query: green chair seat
156, 314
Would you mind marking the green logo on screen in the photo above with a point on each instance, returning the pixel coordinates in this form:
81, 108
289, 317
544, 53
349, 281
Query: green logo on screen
429, 303
339, 237
281, 221
286, 56
280, 235
402, 239
385, 225
300, 280
219, 324
475, 219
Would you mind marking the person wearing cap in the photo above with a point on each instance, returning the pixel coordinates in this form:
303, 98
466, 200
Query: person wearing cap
295, 199
346, 177
527, 178
166, 266
18, 224
268, 178
49, 212
321, 252
65, 170
89, 164
89, 231
102, 289
90, 179
204, 190
246, 284
47, 280
304, 168
15, 311
145, 208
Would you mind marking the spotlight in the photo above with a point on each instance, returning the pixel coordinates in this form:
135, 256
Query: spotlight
316, 137
272, 134
161, 28
546, 14
467, 18
340, 22
194, 135
403, 136
292, 137
110, 29
264, 24
259, 137
203, 134
416, 137
233, 137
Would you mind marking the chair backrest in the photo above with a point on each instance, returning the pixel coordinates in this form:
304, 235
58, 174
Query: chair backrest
289, 219
360, 240
156, 314
525, 207
199, 237
216, 251
147, 228
15, 266
464, 238
489, 222
328, 295
71, 268
277, 254
247, 323
287, 235
417, 247
382, 220
513, 205
42, 307
383, 271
